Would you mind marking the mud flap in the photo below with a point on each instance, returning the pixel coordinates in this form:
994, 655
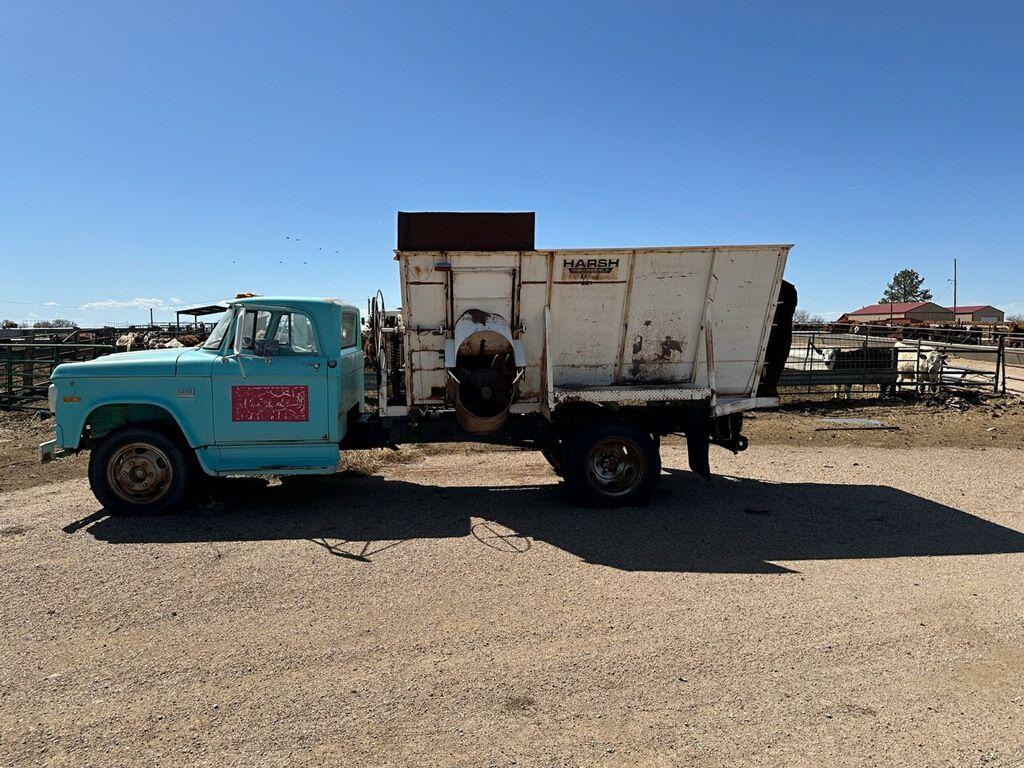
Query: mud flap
697, 450
779, 342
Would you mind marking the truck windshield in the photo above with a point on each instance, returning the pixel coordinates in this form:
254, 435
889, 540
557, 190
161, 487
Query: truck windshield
217, 335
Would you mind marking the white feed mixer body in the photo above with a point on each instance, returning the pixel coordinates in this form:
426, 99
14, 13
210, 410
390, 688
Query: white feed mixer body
497, 332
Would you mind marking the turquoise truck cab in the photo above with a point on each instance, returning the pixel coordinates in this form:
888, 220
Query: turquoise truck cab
273, 390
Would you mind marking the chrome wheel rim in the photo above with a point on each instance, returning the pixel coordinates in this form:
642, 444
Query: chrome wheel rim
616, 466
139, 473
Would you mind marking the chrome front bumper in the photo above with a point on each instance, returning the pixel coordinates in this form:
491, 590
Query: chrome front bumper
49, 451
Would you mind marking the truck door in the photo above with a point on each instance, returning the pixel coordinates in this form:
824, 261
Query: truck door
275, 390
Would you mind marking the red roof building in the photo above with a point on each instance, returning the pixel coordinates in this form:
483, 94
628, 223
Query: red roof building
919, 311
977, 313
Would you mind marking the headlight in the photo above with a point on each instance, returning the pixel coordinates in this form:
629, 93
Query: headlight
51, 398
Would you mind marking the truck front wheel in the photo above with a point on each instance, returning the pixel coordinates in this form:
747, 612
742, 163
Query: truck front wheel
138, 470
612, 464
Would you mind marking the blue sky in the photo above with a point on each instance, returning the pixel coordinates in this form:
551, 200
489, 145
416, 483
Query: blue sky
155, 154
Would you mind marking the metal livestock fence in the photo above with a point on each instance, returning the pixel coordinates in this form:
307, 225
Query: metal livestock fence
1011, 371
29, 355
822, 362
25, 368
107, 334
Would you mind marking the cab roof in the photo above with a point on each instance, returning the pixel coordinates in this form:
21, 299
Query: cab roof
292, 301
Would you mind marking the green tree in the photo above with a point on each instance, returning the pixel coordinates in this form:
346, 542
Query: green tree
905, 286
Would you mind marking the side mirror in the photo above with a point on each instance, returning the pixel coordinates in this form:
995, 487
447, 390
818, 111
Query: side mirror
239, 343
267, 347
236, 349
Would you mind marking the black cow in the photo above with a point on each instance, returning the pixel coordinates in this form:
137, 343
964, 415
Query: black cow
876, 364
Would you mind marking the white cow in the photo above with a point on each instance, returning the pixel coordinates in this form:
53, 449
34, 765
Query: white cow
172, 344
126, 342
810, 358
153, 340
920, 365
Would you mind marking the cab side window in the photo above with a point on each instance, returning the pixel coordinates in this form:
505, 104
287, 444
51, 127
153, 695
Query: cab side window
349, 329
295, 335
270, 333
254, 329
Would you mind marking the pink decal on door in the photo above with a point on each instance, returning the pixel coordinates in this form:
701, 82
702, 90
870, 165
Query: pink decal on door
277, 403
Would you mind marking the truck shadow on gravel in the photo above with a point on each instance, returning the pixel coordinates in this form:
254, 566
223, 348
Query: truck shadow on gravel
730, 525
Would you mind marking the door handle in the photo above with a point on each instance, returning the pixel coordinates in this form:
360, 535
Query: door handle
315, 366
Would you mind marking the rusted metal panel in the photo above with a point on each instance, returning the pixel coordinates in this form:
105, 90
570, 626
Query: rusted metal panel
426, 339
668, 292
429, 375
747, 289
446, 231
485, 287
585, 334
532, 299
640, 318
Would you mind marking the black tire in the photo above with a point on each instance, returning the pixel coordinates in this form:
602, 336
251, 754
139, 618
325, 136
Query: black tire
612, 464
139, 470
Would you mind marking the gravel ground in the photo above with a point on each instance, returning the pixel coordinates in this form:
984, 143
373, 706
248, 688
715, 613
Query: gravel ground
21, 433
824, 600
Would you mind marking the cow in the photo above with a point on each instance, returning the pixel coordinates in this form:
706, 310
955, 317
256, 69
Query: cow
920, 365
126, 342
877, 364
810, 358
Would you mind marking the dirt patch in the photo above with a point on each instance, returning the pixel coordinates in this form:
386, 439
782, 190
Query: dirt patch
21, 432
955, 421
372, 461
10, 531
811, 605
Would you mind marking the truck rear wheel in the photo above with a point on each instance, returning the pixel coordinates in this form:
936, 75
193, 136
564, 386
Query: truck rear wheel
612, 464
138, 470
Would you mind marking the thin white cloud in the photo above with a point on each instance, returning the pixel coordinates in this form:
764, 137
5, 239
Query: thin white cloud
51, 304
141, 303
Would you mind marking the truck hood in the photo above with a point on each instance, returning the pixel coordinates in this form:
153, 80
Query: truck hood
144, 362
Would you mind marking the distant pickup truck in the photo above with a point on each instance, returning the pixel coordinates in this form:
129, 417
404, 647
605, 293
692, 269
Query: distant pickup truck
588, 356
